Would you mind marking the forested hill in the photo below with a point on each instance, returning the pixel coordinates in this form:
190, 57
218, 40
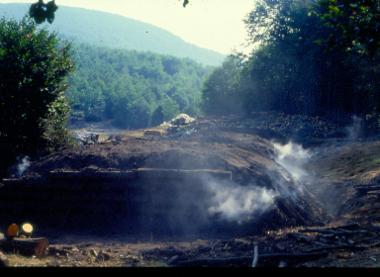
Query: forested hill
133, 89
109, 30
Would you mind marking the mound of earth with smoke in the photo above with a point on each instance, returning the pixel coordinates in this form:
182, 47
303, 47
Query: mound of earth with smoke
265, 192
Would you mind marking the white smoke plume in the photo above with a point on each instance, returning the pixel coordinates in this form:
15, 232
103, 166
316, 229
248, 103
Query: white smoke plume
234, 202
292, 157
354, 131
23, 165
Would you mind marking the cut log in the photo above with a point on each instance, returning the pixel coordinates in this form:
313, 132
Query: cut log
26, 247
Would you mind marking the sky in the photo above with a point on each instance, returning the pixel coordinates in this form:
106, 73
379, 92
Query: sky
213, 24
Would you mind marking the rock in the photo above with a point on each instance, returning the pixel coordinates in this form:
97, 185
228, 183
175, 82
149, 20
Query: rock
93, 253
85, 137
132, 258
75, 249
4, 262
173, 259
102, 256
226, 247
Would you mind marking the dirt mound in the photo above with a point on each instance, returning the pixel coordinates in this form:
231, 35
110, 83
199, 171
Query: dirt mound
256, 190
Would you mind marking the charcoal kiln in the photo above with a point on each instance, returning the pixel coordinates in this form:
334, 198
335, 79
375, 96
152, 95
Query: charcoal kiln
145, 201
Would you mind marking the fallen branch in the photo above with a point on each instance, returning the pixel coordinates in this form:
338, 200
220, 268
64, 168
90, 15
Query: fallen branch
255, 256
345, 229
265, 260
334, 247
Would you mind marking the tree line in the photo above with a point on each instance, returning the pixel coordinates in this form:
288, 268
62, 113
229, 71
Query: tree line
34, 66
133, 89
310, 57
314, 57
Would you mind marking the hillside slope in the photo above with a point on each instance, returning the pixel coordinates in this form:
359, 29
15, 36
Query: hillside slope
114, 31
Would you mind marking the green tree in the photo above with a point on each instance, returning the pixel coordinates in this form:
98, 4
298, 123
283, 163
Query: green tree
56, 133
221, 92
158, 116
42, 11
133, 114
34, 65
170, 108
354, 25
291, 71
107, 80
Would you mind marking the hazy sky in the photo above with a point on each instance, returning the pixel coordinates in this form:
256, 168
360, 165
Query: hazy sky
214, 24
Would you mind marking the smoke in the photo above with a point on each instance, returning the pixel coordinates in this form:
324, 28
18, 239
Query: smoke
22, 166
233, 202
293, 158
354, 131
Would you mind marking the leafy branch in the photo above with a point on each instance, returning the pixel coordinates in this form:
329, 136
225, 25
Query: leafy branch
42, 11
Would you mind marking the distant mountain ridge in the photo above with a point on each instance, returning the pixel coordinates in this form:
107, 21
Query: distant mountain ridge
115, 31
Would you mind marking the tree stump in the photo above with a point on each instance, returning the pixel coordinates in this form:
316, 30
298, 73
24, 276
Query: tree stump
25, 247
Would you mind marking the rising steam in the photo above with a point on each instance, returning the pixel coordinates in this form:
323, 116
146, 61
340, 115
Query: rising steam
354, 131
238, 203
234, 202
292, 157
22, 166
